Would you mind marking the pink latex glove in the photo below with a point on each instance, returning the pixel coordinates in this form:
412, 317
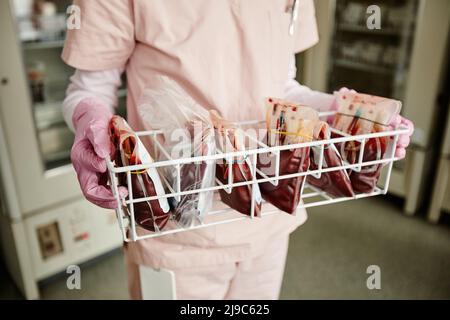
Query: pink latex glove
92, 145
405, 139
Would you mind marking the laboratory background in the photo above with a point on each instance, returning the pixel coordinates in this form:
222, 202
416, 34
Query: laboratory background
46, 225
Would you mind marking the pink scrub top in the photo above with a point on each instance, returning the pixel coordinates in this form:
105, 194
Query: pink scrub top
228, 55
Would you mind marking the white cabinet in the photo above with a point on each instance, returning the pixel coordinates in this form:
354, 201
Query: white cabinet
46, 224
38, 183
70, 234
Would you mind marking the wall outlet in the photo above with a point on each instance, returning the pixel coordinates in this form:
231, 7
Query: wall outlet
50, 240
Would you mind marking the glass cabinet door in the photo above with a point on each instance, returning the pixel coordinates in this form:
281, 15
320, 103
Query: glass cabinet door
372, 61
32, 89
42, 28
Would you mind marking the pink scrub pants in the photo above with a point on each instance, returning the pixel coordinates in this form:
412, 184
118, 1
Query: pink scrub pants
256, 278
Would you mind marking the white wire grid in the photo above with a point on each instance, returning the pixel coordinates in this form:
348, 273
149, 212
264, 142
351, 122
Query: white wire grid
311, 196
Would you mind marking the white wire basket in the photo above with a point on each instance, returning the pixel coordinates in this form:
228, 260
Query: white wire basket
310, 195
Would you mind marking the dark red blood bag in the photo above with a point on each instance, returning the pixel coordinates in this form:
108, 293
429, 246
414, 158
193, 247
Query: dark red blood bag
362, 114
129, 150
240, 198
335, 183
231, 139
286, 195
287, 124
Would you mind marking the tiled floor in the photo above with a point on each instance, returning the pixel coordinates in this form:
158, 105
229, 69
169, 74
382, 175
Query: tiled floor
328, 258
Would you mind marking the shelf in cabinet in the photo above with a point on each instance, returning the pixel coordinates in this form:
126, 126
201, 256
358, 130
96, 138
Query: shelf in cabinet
58, 156
364, 30
51, 124
43, 45
360, 66
122, 93
48, 114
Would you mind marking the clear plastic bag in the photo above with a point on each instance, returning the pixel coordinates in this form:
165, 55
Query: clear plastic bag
187, 132
129, 150
287, 123
360, 114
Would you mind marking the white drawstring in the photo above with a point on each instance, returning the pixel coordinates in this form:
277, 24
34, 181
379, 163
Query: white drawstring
294, 16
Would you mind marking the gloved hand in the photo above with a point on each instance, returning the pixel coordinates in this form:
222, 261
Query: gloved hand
403, 140
92, 145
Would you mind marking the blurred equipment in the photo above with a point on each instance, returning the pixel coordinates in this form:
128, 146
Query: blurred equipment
36, 78
404, 60
46, 225
354, 13
440, 201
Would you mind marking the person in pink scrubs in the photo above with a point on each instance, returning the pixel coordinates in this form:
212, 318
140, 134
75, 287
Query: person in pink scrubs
227, 55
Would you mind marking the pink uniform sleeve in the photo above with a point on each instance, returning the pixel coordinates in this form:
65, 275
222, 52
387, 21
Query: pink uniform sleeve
306, 32
99, 85
105, 39
295, 92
